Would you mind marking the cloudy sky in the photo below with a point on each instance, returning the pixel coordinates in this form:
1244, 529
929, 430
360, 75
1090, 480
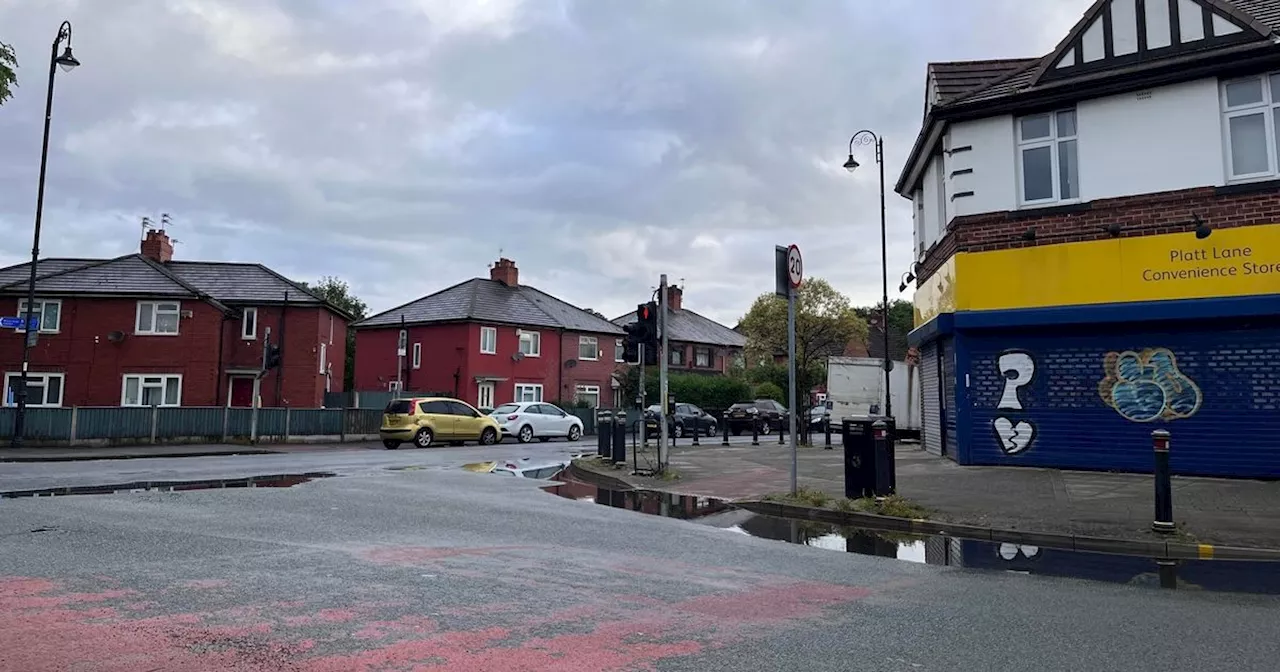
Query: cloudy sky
403, 144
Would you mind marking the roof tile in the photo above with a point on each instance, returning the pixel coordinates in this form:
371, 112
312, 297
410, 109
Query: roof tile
690, 327
483, 300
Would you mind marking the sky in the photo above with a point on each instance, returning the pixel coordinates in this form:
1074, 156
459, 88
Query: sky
404, 145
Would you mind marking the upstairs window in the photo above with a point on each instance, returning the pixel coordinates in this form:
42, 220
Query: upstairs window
249, 324
588, 348
530, 343
157, 317
1251, 108
1048, 164
488, 340
48, 314
619, 350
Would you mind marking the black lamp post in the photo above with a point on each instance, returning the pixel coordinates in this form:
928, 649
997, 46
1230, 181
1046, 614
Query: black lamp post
866, 137
67, 62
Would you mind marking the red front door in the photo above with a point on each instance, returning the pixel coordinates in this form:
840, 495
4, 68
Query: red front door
242, 392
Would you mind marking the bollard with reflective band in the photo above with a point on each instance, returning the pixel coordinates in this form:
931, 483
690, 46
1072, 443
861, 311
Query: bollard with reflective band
619, 431
1163, 481
604, 433
826, 432
724, 420
782, 429
755, 430
697, 431
883, 478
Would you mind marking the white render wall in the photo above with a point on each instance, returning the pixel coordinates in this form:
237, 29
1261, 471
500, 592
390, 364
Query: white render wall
1162, 139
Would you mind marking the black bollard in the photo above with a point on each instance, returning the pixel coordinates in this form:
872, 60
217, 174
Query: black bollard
1164, 487
826, 431
697, 430
782, 440
604, 433
619, 429
882, 475
724, 420
755, 430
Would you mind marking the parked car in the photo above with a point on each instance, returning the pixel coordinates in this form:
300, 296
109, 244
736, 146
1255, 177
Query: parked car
683, 423
767, 411
529, 420
424, 420
529, 469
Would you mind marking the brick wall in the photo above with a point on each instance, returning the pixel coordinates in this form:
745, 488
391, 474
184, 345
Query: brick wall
1143, 215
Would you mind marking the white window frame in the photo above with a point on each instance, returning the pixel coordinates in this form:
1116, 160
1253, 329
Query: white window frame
324, 358
536, 388
417, 355
579, 390
493, 392
43, 328
142, 379
248, 327
154, 307
711, 357
535, 342
1269, 107
1054, 142
11, 376
492, 336
619, 350
594, 343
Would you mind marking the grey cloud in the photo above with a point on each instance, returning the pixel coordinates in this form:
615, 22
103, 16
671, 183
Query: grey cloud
401, 144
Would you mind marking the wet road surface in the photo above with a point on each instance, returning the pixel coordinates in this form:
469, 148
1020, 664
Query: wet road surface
435, 569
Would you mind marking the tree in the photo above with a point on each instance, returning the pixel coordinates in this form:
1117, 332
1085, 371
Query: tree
338, 293
825, 323
901, 322
8, 76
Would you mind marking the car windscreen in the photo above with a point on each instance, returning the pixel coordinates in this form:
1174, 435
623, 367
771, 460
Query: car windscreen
742, 406
399, 407
505, 408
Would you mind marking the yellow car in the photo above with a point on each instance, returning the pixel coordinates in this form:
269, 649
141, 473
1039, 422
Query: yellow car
424, 420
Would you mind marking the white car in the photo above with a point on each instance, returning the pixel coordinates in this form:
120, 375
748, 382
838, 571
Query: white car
529, 420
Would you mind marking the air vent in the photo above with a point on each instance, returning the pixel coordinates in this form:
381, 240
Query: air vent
115, 336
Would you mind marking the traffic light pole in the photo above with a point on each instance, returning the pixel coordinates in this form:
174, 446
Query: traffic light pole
644, 435
257, 386
663, 445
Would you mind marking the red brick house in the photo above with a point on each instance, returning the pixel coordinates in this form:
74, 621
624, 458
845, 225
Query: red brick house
696, 344
143, 329
489, 342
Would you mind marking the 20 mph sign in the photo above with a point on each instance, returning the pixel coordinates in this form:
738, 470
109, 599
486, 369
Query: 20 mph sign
795, 267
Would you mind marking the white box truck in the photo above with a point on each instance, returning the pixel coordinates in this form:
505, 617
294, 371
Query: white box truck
855, 387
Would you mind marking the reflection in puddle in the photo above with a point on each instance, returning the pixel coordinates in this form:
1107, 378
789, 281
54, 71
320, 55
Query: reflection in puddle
272, 481
1214, 575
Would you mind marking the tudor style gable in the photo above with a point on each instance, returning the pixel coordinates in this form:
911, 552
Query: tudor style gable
1119, 33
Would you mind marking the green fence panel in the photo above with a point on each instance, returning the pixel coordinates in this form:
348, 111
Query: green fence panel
6, 422
239, 420
338, 399
587, 416
108, 422
271, 421
363, 420
49, 424
195, 421
315, 422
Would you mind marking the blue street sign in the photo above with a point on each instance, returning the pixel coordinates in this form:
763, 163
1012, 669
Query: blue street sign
18, 323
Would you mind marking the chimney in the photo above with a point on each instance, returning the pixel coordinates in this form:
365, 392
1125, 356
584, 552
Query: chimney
505, 271
156, 246
674, 297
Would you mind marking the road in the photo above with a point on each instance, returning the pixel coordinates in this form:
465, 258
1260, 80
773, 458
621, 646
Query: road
437, 568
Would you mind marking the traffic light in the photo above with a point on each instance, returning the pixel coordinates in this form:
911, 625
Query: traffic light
270, 357
647, 318
630, 345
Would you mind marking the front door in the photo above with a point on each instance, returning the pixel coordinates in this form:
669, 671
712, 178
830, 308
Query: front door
241, 393
484, 395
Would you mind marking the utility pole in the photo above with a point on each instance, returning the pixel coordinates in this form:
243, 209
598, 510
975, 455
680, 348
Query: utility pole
257, 385
644, 436
663, 446
402, 346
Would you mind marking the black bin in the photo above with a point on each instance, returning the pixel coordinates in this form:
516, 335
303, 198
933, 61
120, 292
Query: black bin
867, 473
619, 436
604, 433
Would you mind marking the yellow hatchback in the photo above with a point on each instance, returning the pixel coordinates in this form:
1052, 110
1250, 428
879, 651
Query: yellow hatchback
425, 420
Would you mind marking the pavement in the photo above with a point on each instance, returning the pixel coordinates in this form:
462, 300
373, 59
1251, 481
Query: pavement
1096, 504
423, 569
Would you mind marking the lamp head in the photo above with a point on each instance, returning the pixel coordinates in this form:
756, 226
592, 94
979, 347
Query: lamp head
851, 165
67, 61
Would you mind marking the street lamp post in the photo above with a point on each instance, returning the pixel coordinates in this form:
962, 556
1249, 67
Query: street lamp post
67, 61
866, 137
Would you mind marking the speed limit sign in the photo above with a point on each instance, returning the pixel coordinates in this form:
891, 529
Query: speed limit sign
795, 267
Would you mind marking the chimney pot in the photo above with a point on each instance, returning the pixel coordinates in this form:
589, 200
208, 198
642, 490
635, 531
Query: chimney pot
157, 246
505, 271
675, 297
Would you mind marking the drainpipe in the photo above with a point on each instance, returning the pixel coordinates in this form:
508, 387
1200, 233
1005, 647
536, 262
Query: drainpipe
280, 369
222, 334
560, 370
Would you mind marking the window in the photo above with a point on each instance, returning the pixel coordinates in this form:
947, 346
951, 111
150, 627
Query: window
676, 356
619, 350
437, 407
702, 357
151, 390
249, 324
528, 392
324, 358
157, 317
917, 199
47, 311
488, 340
1048, 167
417, 355
530, 343
587, 394
460, 409
43, 389
588, 348
1251, 108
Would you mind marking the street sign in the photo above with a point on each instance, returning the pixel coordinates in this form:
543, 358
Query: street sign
16, 322
402, 347
795, 267
781, 281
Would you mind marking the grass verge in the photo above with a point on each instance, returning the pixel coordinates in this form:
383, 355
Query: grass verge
894, 505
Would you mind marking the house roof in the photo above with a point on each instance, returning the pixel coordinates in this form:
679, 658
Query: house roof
484, 300
690, 327
970, 89
137, 275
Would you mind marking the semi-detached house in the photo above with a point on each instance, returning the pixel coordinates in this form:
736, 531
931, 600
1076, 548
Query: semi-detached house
1098, 244
490, 341
144, 329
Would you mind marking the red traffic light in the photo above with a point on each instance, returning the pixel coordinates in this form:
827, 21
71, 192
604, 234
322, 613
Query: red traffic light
644, 312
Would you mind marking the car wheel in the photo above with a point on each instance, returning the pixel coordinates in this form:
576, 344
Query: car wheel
423, 438
525, 435
765, 428
711, 429
489, 436
391, 445
575, 433
679, 430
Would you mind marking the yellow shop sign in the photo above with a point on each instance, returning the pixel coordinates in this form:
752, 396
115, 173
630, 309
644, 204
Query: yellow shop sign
1242, 261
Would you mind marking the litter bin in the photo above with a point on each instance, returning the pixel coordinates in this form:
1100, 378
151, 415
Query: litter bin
867, 473
604, 433
619, 431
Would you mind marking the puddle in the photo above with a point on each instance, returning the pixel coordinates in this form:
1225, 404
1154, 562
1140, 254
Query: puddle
273, 481
1212, 575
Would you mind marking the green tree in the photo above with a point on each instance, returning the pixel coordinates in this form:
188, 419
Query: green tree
770, 391
825, 323
338, 293
8, 72
901, 322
